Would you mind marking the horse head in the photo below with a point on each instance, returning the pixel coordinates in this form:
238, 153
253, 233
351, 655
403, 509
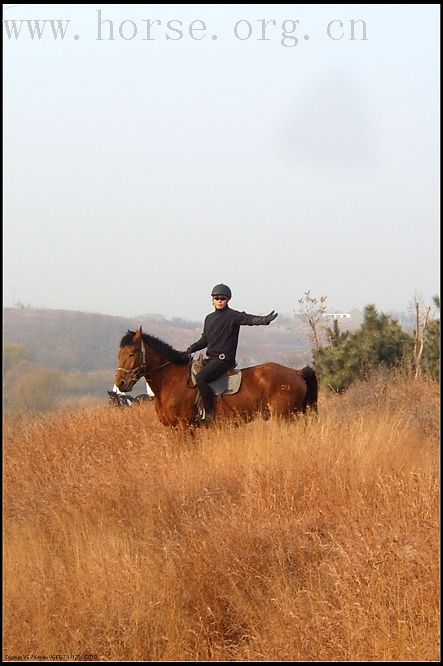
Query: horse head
143, 355
132, 359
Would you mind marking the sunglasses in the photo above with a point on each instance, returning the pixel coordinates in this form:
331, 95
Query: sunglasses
219, 298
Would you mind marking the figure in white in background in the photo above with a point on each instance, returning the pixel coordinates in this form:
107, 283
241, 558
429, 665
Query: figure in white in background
149, 391
120, 399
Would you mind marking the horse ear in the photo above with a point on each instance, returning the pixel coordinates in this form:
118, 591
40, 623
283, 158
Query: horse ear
137, 335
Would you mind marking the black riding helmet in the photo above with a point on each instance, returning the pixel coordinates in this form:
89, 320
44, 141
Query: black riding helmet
221, 290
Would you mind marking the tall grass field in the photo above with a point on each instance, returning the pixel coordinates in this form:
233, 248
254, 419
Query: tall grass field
310, 540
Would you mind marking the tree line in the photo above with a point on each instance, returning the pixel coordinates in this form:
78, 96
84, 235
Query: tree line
341, 357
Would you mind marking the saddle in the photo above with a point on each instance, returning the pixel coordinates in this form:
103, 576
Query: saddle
226, 384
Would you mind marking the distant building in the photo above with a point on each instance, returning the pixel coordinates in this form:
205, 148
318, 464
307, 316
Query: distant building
336, 315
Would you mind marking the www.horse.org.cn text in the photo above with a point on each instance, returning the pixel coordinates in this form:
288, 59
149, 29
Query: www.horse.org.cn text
287, 32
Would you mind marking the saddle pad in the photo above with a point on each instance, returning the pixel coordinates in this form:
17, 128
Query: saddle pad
228, 383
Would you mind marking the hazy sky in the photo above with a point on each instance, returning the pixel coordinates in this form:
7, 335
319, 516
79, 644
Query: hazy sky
141, 170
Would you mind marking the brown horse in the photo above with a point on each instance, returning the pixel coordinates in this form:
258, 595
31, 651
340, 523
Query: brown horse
269, 389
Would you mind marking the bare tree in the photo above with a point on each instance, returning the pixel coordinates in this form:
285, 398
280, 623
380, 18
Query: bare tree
311, 310
422, 317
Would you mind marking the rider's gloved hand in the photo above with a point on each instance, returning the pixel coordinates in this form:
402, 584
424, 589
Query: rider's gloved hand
269, 317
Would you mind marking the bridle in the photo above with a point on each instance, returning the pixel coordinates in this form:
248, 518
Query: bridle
140, 370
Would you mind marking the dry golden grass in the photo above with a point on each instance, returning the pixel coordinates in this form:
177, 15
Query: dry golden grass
307, 541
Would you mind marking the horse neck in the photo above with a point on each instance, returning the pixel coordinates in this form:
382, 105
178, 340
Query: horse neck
159, 377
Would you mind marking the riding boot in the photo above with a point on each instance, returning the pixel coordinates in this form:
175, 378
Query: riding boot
207, 416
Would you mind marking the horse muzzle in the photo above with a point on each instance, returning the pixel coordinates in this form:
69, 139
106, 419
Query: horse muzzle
125, 382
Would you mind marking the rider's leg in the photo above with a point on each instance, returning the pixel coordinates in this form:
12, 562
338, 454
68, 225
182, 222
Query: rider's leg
212, 370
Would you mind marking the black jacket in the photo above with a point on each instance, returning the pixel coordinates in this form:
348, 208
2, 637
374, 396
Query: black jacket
221, 330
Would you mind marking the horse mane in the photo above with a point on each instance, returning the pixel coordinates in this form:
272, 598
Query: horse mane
159, 346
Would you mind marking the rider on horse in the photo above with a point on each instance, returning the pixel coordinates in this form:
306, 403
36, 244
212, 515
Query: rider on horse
220, 337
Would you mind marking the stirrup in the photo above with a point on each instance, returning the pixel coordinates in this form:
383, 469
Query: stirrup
204, 418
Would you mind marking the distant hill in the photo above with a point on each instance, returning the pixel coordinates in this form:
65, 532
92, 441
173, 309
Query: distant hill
72, 341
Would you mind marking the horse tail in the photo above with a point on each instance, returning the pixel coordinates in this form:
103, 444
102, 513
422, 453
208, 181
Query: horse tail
312, 389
